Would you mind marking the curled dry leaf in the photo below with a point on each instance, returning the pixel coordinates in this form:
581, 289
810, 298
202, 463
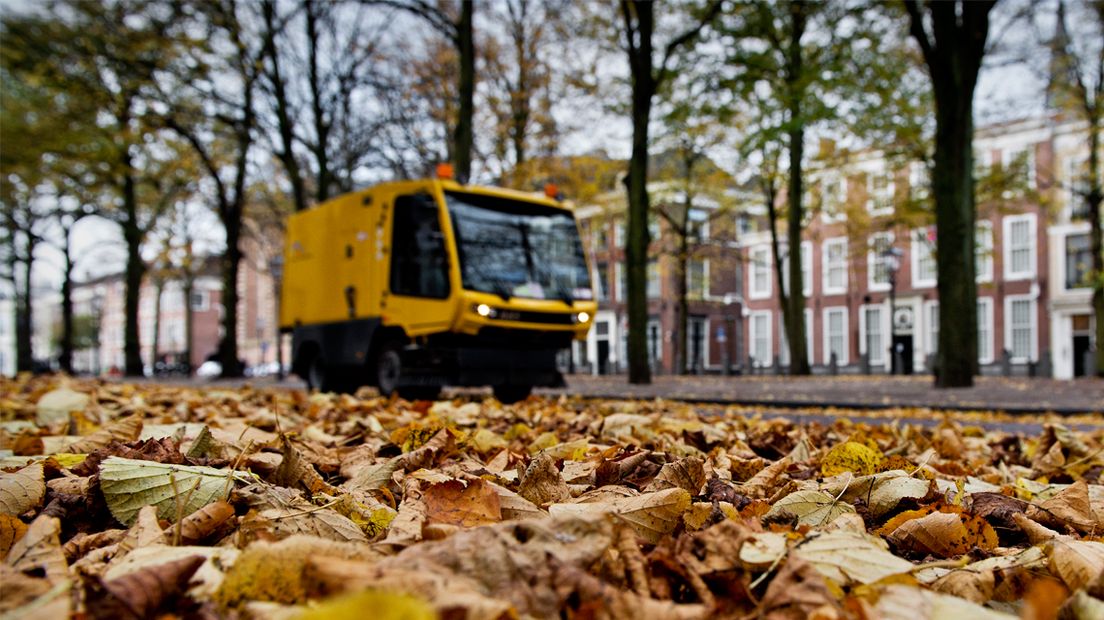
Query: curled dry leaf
542, 483
1071, 507
143, 592
1077, 562
22, 490
944, 534
686, 473
39, 550
11, 530
296, 472
123, 430
797, 593
652, 515
976, 586
205, 522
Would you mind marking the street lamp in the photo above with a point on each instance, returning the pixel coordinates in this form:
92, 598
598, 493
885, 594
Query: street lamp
891, 260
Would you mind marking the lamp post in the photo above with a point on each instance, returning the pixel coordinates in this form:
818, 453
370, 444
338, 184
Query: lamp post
891, 257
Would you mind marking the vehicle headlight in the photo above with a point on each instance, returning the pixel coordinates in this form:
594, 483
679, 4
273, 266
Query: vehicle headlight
483, 310
583, 317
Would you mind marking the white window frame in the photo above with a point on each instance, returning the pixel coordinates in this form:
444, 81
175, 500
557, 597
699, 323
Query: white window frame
826, 266
1033, 354
843, 357
619, 230
920, 249
834, 209
648, 280
883, 325
766, 262
931, 338
1029, 150
983, 253
1008, 222
919, 181
702, 216
753, 335
872, 259
889, 193
985, 357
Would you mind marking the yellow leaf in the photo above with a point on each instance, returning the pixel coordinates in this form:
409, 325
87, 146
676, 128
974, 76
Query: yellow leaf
379, 605
853, 457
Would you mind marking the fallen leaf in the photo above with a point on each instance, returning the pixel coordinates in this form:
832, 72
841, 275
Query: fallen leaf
808, 507
143, 592
848, 557
976, 586
466, 505
22, 490
11, 530
902, 602
1070, 506
128, 484
851, 456
651, 514
1077, 562
40, 550
123, 430
686, 473
796, 593
383, 606
882, 492
944, 534
55, 406
542, 483
205, 522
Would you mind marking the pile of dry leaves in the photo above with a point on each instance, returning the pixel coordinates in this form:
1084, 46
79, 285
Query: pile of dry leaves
136, 501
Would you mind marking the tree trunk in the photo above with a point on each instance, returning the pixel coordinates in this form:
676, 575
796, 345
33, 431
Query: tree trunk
795, 302
776, 252
135, 270
464, 131
231, 261
65, 358
24, 320
953, 187
636, 244
953, 59
1094, 199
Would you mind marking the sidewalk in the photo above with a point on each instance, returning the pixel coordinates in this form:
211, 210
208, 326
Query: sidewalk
1012, 395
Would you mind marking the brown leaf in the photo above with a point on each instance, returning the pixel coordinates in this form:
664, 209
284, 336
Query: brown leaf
204, 522
1070, 506
22, 490
294, 471
972, 585
144, 592
11, 530
1077, 562
123, 430
944, 534
145, 531
79, 545
319, 522
455, 503
18, 589
542, 483
652, 515
439, 446
797, 592
997, 507
758, 484
40, 549
686, 473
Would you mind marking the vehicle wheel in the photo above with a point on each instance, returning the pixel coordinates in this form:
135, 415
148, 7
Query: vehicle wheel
511, 393
388, 368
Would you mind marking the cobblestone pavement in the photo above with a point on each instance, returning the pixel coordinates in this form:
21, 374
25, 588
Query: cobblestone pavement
1013, 395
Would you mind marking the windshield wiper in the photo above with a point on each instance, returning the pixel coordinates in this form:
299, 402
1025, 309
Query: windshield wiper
501, 289
563, 293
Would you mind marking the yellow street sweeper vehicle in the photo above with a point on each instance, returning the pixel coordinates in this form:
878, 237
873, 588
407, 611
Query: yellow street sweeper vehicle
413, 285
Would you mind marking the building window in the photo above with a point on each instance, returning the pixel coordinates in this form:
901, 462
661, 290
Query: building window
619, 288
880, 189
761, 337
835, 266
1019, 247
1077, 182
1020, 323
619, 234
833, 197
1023, 163
760, 272
877, 268
873, 334
602, 280
201, 301
983, 251
1078, 261
923, 257
655, 341
653, 228
653, 280
697, 277
697, 226
919, 181
835, 334
931, 322
985, 329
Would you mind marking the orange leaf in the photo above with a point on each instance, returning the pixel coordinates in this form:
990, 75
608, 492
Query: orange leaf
467, 506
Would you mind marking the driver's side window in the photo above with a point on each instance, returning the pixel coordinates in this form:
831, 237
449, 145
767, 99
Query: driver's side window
419, 265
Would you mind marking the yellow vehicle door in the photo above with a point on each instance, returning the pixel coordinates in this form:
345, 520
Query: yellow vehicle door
419, 295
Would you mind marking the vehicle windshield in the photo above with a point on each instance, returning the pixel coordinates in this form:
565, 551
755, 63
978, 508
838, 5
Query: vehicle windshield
518, 249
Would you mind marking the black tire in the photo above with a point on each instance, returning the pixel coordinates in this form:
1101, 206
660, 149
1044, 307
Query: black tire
510, 393
387, 367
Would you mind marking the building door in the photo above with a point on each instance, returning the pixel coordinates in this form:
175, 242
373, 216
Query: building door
902, 353
695, 345
1080, 347
603, 357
